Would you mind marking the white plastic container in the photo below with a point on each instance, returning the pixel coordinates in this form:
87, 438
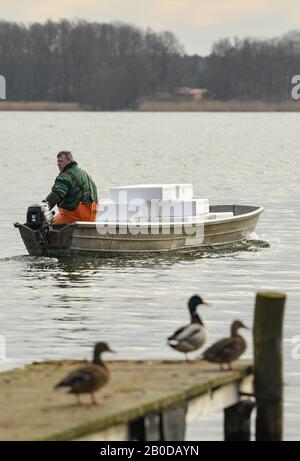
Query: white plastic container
146, 192
183, 208
110, 211
151, 210
184, 191
151, 202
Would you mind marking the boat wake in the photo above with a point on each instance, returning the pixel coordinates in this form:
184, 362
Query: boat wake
36, 260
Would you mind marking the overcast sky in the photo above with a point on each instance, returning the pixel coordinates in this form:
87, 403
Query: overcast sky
196, 23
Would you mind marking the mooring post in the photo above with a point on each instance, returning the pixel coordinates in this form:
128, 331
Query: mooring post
173, 422
237, 421
145, 428
268, 375
169, 425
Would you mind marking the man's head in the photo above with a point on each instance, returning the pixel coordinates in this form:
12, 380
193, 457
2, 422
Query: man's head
63, 158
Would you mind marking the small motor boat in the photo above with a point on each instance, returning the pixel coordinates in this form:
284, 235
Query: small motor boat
141, 219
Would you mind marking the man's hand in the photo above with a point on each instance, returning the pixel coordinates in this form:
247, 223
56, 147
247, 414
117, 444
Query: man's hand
47, 212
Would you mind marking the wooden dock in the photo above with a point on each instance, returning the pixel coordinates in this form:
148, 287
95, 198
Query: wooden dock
145, 400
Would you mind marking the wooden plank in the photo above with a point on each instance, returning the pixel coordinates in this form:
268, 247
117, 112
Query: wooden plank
31, 410
113, 433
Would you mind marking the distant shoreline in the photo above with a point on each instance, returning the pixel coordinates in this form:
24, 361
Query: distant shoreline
163, 106
220, 106
40, 106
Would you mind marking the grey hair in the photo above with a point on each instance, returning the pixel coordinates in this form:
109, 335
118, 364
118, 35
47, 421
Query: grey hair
66, 154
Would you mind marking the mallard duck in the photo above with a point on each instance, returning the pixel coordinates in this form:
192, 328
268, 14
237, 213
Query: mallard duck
190, 337
87, 379
227, 350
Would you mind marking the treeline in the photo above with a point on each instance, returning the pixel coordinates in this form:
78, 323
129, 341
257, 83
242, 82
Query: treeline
106, 66
252, 69
112, 66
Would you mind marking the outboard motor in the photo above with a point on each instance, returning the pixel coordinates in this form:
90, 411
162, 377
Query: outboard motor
39, 217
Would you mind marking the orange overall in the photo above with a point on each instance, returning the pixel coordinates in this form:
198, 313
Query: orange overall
84, 212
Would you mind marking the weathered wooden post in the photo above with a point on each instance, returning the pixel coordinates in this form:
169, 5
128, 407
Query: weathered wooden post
173, 422
145, 428
237, 421
268, 375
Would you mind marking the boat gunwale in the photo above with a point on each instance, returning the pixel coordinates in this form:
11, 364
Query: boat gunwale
85, 224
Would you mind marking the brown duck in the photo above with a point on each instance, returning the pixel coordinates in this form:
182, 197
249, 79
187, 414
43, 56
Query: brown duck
88, 379
227, 350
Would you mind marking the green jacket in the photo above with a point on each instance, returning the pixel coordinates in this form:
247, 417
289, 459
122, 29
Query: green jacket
67, 194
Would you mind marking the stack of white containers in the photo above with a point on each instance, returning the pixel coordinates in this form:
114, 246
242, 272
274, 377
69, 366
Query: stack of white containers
152, 202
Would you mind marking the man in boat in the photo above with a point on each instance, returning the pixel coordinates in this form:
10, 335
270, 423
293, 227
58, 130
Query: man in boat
74, 192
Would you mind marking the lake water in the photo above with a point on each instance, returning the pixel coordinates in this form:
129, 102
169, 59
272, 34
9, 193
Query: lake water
55, 309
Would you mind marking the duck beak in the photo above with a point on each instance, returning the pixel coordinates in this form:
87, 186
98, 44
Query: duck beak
112, 351
206, 304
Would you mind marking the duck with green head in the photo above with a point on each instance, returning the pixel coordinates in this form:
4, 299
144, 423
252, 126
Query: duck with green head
192, 336
88, 379
227, 350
